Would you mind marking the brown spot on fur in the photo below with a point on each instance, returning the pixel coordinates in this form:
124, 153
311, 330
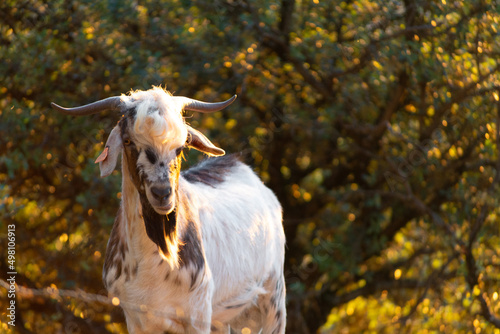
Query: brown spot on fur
123, 249
194, 279
278, 329
235, 306
191, 254
127, 273
116, 250
278, 314
118, 269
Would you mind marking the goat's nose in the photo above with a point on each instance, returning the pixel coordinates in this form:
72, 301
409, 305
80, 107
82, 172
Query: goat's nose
161, 193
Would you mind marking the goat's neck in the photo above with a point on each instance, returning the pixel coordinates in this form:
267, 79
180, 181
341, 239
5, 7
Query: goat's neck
138, 213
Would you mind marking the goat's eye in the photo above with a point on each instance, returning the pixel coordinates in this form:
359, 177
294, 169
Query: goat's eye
127, 142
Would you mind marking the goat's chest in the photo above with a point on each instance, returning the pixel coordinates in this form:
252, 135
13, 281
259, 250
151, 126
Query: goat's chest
154, 297
149, 280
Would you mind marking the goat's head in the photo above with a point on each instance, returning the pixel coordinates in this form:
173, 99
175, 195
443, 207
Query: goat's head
152, 135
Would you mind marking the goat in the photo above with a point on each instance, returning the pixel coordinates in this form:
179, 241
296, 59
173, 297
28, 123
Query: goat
195, 251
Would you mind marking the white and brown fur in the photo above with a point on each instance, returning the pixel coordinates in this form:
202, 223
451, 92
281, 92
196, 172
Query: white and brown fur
213, 263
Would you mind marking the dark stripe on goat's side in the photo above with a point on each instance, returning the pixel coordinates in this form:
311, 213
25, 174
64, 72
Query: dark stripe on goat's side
191, 254
211, 171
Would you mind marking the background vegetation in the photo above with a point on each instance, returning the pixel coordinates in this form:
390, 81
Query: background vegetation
375, 122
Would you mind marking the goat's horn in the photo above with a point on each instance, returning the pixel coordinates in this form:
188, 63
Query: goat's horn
111, 103
205, 107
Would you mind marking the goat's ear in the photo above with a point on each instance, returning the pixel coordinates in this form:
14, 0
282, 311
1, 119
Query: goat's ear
108, 158
198, 141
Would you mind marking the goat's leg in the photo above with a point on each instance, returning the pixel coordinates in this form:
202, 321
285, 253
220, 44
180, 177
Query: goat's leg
200, 322
251, 318
200, 305
273, 307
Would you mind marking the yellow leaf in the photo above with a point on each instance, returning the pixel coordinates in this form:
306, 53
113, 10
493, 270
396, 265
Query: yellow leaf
430, 111
397, 274
410, 108
231, 124
452, 152
377, 65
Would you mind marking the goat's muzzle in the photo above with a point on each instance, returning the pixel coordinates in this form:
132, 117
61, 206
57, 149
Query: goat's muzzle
161, 198
161, 193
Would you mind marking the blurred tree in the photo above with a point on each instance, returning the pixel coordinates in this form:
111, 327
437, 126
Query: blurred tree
375, 122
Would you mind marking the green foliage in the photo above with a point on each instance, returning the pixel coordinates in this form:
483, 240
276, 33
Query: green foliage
375, 123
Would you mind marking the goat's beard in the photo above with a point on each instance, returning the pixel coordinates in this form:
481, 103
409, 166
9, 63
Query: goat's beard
161, 229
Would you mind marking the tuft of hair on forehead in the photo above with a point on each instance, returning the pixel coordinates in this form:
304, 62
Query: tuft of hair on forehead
158, 119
